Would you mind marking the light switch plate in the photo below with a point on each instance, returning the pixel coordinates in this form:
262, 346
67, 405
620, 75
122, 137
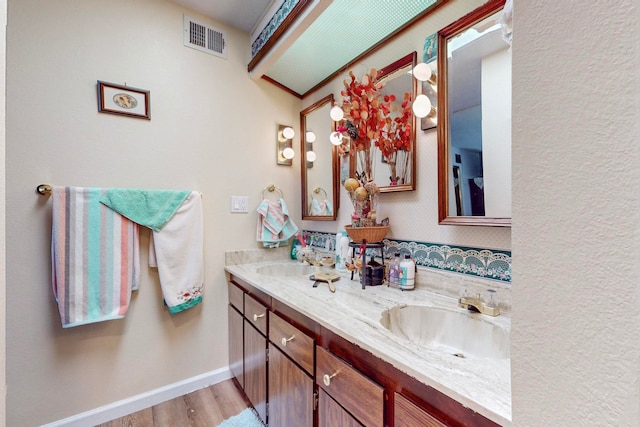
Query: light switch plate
239, 204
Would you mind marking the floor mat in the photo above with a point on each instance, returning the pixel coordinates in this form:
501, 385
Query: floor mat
246, 418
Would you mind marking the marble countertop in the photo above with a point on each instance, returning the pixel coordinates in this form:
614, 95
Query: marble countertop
481, 384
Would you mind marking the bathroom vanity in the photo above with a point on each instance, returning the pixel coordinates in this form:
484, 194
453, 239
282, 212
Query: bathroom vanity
308, 357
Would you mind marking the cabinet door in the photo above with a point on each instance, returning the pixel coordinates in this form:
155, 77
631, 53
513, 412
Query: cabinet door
290, 392
255, 369
333, 415
406, 414
236, 350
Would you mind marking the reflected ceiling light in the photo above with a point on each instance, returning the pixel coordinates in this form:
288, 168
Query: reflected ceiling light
311, 156
421, 106
336, 113
288, 132
288, 153
310, 136
336, 138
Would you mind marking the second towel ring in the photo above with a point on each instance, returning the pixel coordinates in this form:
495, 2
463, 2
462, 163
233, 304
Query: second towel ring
271, 188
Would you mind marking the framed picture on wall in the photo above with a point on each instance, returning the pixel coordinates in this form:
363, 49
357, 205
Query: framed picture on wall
123, 100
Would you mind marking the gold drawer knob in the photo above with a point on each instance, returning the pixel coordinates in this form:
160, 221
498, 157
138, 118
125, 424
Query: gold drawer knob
326, 379
257, 316
286, 340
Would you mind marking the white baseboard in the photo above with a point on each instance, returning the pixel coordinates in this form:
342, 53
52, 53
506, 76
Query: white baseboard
136, 403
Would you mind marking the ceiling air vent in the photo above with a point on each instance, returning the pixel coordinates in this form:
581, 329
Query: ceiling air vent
204, 37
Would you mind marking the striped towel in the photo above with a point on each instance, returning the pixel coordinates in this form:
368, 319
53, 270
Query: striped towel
274, 224
95, 257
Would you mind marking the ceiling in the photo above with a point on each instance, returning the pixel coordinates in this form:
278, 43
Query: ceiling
343, 30
241, 14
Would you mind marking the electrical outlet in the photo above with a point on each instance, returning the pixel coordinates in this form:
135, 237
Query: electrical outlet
239, 204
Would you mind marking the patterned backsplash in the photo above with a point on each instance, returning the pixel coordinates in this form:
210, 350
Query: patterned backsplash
477, 262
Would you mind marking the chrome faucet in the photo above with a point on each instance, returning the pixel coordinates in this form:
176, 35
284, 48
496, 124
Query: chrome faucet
477, 304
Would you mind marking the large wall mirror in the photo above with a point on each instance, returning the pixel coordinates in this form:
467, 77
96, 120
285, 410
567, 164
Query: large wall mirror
474, 120
319, 169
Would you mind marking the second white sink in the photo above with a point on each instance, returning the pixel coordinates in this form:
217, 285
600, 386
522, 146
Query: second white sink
461, 334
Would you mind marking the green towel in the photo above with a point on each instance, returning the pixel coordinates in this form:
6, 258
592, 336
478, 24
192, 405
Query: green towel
150, 208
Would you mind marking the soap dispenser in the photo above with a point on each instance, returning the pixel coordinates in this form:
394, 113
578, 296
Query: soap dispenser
407, 273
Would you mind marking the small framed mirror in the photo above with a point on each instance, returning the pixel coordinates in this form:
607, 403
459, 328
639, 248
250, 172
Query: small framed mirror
319, 168
474, 120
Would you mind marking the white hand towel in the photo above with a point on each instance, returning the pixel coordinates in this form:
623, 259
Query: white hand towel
177, 251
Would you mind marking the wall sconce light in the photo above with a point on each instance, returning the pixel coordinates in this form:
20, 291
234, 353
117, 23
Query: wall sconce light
284, 145
336, 113
424, 73
421, 106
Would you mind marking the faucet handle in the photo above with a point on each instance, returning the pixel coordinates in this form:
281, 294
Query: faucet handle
491, 298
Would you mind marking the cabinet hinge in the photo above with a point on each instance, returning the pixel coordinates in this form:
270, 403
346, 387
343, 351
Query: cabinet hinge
315, 400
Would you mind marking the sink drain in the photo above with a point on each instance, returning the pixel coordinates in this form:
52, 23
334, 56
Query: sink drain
460, 355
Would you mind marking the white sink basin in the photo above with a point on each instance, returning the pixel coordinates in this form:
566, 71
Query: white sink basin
461, 334
285, 270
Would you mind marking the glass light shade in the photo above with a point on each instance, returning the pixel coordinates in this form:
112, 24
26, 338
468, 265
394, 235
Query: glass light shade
288, 132
336, 138
422, 71
310, 136
336, 113
311, 156
288, 153
421, 106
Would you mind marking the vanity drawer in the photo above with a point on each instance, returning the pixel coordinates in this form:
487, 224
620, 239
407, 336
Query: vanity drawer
256, 313
292, 341
363, 398
236, 297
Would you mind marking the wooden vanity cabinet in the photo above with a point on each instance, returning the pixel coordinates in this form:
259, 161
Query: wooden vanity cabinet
359, 388
330, 413
406, 414
248, 319
236, 333
291, 364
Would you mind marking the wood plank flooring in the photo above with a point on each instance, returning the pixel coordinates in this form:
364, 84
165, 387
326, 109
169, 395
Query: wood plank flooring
207, 407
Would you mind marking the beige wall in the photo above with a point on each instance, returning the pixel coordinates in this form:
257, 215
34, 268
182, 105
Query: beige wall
414, 214
212, 130
3, 266
576, 216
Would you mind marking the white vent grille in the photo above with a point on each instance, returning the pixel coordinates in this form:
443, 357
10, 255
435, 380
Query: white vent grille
204, 37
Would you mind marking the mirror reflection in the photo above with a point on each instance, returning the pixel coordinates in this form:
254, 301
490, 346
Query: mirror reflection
474, 134
379, 127
319, 162
396, 154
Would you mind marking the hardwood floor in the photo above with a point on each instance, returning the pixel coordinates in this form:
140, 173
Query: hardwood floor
207, 407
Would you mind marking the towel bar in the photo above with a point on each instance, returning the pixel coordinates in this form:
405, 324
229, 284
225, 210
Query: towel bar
44, 189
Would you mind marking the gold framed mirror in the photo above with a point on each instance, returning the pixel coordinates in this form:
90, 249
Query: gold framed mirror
378, 126
319, 167
474, 120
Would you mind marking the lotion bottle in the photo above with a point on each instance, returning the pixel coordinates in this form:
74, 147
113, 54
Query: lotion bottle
407, 273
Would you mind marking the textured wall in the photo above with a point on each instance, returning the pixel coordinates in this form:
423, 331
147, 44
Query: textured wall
576, 237
414, 214
212, 129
